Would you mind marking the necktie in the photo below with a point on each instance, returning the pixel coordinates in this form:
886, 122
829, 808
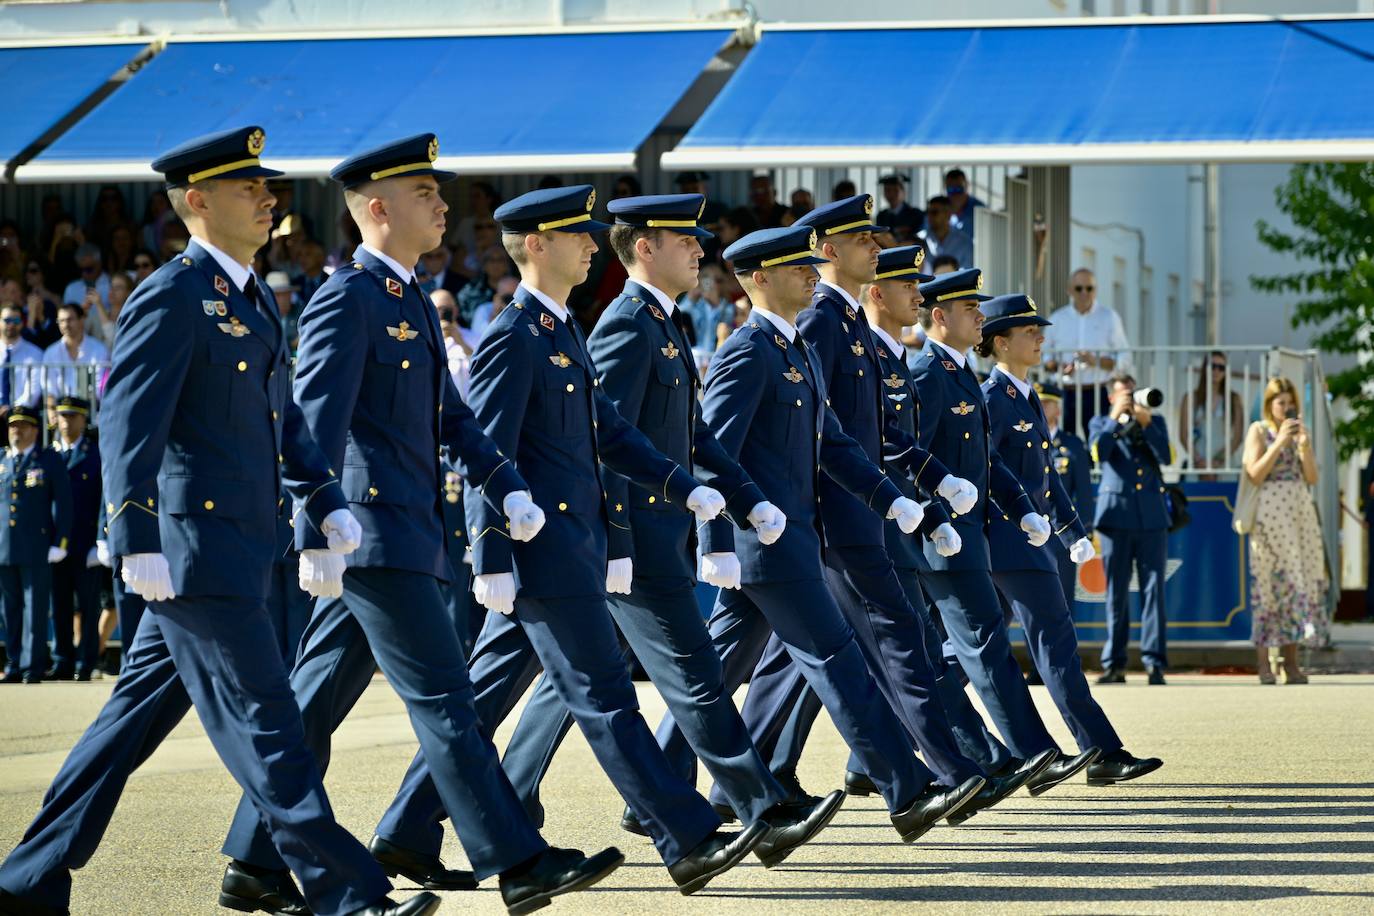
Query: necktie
5, 370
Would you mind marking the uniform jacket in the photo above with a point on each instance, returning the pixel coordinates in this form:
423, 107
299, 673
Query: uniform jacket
199, 432
646, 367
954, 426
1019, 433
37, 501
766, 399
1075, 467
1130, 496
535, 389
83, 472
847, 349
372, 379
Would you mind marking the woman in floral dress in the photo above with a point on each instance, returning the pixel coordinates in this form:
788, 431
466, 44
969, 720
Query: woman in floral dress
1288, 579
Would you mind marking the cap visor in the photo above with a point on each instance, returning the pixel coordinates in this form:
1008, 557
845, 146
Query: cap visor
590, 225
695, 231
868, 228
252, 171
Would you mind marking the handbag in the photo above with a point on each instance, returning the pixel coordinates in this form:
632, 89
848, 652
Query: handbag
1247, 505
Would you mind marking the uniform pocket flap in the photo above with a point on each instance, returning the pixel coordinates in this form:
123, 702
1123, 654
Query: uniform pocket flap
205, 496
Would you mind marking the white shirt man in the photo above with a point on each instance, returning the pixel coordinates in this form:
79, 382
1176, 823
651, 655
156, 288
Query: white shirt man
61, 377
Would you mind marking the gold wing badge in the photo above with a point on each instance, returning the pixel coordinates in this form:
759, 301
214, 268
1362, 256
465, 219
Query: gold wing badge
963, 409
792, 375
1023, 427
234, 328
893, 381
404, 332
561, 360
671, 351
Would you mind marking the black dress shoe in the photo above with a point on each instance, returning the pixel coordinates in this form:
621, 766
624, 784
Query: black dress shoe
11, 905
424, 869
60, 674
33, 677
630, 823
791, 827
859, 784
555, 871
1112, 676
423, 904
83, 675
933, 804
1120, 767
1060, 770
796, 795
724, 812
1000, 787
11, 677
253, 890
714, 856
1156, 675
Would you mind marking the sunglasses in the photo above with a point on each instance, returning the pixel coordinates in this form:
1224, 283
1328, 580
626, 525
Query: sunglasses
1218, 367
13, 320
143, 263
447, 315
90, 268
1084, 289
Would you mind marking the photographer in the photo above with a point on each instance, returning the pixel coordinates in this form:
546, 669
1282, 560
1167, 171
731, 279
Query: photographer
1129, 444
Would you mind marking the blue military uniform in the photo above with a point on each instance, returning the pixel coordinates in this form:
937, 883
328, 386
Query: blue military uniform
37, 503
374, 387
954, 426
766, 399
73, 577
200, 438
1132, 523
288, 605
646, 367
858, 569
129, 604
468, 616
1074, 466
535, 390
1025, 575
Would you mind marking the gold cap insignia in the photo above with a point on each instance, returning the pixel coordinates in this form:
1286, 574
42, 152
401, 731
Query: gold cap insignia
920, 257
256, 141
404, 332
792, 375
893, 381
234, 328
591, 200
812, 243
547, 321
868, 204
1032, 304
857, 348
433, 148
980, 282
671, 351
561, 360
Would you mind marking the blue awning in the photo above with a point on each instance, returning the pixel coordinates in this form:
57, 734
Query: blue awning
1199, 90
499, 103
45, 84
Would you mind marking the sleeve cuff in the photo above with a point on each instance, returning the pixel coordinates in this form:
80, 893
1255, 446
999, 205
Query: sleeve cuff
717, 536
679, 486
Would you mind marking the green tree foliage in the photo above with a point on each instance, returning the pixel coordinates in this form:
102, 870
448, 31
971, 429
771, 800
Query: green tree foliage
1331, 205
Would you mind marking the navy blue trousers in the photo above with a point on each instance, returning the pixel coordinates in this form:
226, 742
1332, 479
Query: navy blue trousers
661, 625
818, 640
396, 620
75, 587
1068, 572
978, 639
129, 608
218, 654
1053, 647
574, 641
1145, 553
26, 592
288, 606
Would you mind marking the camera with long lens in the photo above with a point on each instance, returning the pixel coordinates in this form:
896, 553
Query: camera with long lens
1149, 398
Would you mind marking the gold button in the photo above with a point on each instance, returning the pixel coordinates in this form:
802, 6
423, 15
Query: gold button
653, 499
1139, 472
677, 381
11, 523
965, 435
1140, 486
1047, 494
798, 402
1028, 445
209, 504
371, 491
570, 387
274, 415
861, 373
1044, 445
405, 364
280, 460
243, 366
458, 533
562, 507
899, 406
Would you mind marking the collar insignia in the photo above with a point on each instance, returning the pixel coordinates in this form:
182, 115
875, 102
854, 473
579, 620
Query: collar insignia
394, 287
1011, 391
849, 310
221, 285
561, 360
792, 375
857, 348
234, 328
949, 365
777, 339
405, 331
669, 351
656, 312
1023, 427
546, 320
963, 410
894, 381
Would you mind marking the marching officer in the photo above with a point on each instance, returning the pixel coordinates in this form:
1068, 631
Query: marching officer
200, 437
954, 426
535, 389
129, 604
766, 398
373, 386
646, 368
1026, 575
78, 574
38, 504
1074, 466
1129, 445
288, 605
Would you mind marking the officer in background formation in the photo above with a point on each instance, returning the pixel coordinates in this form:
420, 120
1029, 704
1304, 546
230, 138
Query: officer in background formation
201, 437
38, 505
374, 389
468, 616
1074, 466
1130, 444
78, 574
646, 367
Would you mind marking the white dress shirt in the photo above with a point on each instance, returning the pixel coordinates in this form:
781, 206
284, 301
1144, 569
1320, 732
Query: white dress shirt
559, 311
1098, 331
788, 330
26, 384
669, 306
405, 273
955, 355
61, 377
843, 295
238, 273
896, 349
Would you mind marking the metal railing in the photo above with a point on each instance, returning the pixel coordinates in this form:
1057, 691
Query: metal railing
40, 385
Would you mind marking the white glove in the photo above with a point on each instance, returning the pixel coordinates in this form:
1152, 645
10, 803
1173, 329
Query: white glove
769, 522
1082, 551
57, 554
1037, 528
495, 591
93, 558
719, 569
526, 519
102, 553
907, 512
148, 575
321, 574
706, 502
342, 530
946, 540
619, 574
961, 494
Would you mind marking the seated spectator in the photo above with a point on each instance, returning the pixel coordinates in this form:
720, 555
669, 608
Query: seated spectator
435, 267
12, 256
733, 318
843, 190
310, 274
944, 264
487, 235
900, 218
940, 236
156, 215
67, 237
626, 186
119, 257
110, 213
20, 378
802, 204
40, 306
699, 183
495, 266
457, 349
145, 262
1213, 417
962, 203
763, 202
100, 320
74, 364
482, 203
734, 224
93, 276
707, 307
175, 238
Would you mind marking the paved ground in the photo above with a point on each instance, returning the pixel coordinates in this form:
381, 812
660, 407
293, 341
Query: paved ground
1266, 801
